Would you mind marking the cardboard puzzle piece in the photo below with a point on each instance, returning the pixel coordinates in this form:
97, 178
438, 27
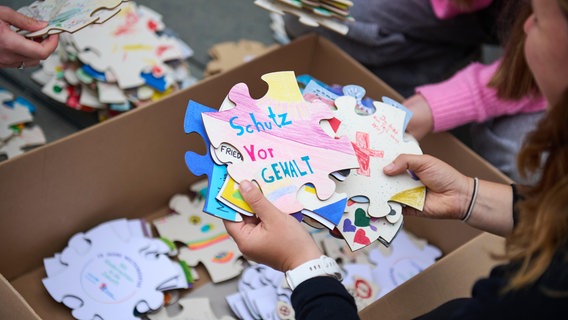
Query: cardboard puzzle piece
204, 165
17, 131
282, 144
358, 281
204, 237
308, 18
27, 138
227, 55
377, 140
262, 294
401, 261
68, 15
109, 270
359, 230
131, 47
10, 117
189, 309
327, 212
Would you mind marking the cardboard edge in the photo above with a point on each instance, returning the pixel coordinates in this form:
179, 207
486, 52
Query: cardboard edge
19, 308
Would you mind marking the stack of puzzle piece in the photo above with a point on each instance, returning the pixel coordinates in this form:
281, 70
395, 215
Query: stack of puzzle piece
314, 153
330, 14
129, 60
368, 275
18, 132
115, 270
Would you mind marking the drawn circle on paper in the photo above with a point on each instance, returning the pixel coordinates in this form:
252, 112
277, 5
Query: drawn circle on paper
285, 311
111, 278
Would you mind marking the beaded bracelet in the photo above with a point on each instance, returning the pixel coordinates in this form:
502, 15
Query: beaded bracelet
473, 198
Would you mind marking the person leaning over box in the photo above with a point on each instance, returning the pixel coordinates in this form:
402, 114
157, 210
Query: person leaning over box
533, 281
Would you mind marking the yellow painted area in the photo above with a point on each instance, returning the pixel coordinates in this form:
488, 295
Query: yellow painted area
411, 197
280, 85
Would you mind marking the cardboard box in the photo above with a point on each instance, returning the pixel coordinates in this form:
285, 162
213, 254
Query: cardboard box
130, 166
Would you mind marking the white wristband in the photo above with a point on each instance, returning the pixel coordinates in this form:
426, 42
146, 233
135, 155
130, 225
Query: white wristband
323, 266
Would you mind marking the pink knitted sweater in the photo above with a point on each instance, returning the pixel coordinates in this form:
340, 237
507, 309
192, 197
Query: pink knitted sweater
465, 97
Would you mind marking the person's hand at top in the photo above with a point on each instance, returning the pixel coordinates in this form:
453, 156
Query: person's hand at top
17, 51
272, 237
449, 194
422, 121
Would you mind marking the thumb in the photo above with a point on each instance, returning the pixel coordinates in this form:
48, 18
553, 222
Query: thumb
21, 21
397, 166
256, 200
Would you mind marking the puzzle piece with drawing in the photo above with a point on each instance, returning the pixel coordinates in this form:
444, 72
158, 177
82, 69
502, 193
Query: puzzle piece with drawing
313, 18
132, 50
360, 230
203, 236
377, 140
204, 165
69, 15
282, 144
17, 131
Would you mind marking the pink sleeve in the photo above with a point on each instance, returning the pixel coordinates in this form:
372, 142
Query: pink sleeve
465, 98
445, 9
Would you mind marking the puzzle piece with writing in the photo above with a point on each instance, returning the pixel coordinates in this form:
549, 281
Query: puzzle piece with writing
109, 271
203, 164
378, 139
204, 237
68, 15
282, 144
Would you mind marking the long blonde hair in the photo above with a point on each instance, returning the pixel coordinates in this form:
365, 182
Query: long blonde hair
542, 227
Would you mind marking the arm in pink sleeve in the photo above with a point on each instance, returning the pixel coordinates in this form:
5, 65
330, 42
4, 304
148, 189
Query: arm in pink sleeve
465, 98
445, 9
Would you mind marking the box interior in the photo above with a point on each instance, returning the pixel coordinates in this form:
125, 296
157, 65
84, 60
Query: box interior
130, 166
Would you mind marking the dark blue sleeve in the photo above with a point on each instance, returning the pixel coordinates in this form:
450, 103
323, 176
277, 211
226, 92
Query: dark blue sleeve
323, 298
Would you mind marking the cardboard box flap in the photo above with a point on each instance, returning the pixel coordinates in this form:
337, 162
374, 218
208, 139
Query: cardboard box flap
13, 305
450, 278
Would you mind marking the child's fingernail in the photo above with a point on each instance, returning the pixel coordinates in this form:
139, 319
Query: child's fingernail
389, 166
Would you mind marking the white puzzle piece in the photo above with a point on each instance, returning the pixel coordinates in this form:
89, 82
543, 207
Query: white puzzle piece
69, 16
377, 140
111, 271
281, 142
204, 237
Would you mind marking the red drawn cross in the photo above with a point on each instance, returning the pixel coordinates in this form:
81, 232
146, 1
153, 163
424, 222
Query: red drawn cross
364, 153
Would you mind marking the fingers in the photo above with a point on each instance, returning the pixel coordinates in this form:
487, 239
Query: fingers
404, 162
34, 50
256, 200
19, 20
